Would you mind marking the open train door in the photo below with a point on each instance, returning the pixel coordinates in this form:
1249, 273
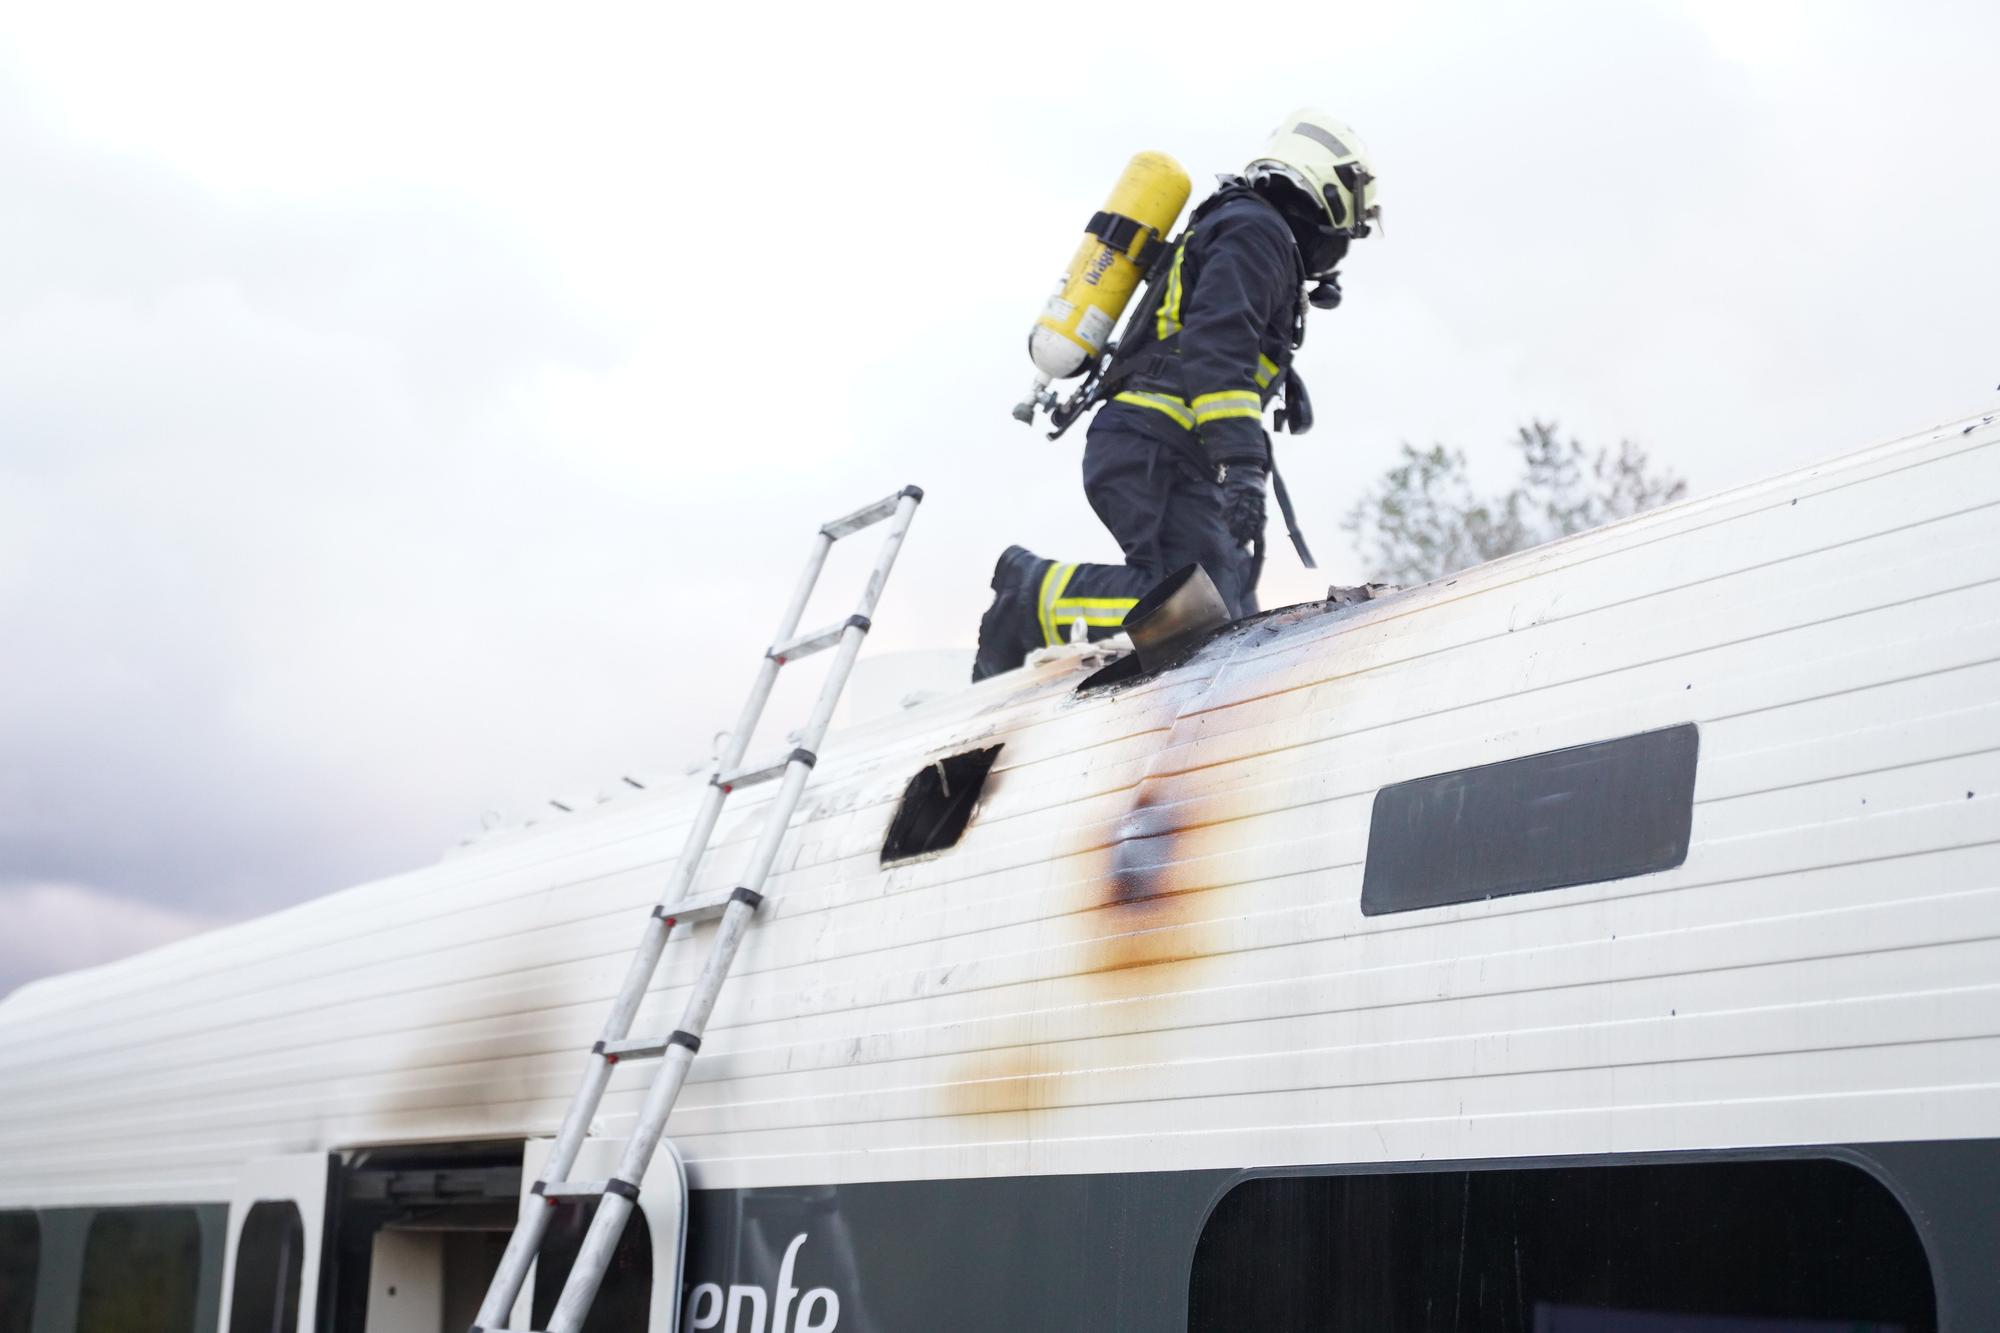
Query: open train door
271, 1253
643, 1286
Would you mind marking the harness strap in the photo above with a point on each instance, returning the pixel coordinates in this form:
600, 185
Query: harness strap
1119, 231
1291, 516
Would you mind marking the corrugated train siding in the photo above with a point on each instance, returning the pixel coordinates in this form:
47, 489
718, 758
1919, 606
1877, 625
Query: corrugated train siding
1148, 951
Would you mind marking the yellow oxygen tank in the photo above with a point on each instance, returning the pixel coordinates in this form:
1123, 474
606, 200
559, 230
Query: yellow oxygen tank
1119, 243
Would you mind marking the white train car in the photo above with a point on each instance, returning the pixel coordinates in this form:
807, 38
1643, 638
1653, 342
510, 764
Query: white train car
1606, 940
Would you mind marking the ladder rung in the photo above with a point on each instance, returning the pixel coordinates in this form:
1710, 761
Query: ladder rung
647, 1048
571, 1189
584, 1189
637, 1048
868, 515
706, 906
750, 777
818, 641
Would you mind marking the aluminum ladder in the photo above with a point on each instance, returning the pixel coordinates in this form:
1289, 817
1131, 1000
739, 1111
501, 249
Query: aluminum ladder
676, 1050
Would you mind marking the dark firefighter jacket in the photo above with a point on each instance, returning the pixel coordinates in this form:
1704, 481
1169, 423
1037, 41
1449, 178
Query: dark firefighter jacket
1211, 351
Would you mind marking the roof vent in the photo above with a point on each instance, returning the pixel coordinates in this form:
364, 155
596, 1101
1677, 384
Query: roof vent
1175, 615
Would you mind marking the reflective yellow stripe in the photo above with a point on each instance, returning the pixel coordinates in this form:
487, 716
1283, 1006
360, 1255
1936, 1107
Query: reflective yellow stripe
1209, 407
1226, 404
1267, 370
1096, 612
1160, 402
1057, 612
1066, 612
1169, 321
1053, 582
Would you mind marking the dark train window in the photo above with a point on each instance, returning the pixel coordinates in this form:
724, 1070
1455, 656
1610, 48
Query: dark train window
141, 1271
937, 805
625, 1300
20, 1256
1795, 1246
269, 1254
1583, 815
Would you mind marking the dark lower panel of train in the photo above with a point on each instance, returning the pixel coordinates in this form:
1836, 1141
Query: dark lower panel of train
1882, 1239
1896, 1238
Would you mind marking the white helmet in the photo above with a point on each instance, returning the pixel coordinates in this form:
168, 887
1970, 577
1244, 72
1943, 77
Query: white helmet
1327, 160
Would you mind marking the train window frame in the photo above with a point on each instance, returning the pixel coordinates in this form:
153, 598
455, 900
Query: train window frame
1582, 814
96, 1285
19, 1317
1559, 1233
938, 805
273, 1306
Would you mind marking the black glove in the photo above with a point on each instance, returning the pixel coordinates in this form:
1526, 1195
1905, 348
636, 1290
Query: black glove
1243, 502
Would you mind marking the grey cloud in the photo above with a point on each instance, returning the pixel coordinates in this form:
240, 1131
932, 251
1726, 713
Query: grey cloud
205, 407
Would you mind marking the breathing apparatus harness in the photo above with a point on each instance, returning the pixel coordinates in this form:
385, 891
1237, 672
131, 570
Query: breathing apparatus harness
1152, 358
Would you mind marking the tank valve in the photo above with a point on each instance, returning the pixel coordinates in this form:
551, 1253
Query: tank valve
1039, 395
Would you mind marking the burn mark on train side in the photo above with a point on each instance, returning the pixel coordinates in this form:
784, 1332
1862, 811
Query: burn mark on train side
1129, 939
1145, 898
1010, 1079
1129, 943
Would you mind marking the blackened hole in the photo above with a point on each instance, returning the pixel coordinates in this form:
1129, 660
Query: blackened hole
937, 805
1119, 671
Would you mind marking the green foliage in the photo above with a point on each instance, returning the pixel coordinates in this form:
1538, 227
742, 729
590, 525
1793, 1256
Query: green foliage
1423, 520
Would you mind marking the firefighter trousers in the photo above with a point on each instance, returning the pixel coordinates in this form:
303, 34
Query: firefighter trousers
1164, 509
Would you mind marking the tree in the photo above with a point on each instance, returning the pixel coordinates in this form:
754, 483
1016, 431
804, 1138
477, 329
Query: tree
1423, 519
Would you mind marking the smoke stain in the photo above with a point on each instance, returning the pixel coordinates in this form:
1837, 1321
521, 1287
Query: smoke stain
1145, 898
1134, 945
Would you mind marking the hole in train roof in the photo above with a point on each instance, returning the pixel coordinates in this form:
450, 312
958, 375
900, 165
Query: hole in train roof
937, 805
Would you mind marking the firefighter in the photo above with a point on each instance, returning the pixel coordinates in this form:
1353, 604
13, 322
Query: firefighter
1176, 463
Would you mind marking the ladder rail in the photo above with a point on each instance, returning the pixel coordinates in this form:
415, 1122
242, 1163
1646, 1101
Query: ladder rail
752, 711
822, 547
616, 1204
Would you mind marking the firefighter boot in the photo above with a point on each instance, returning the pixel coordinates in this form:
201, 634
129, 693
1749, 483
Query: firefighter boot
1010, 629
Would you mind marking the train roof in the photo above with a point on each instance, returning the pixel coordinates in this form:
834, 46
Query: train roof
452, 1002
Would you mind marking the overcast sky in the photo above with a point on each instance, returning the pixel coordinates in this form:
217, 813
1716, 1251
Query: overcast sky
414, 412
